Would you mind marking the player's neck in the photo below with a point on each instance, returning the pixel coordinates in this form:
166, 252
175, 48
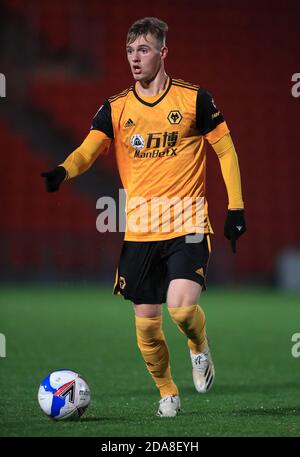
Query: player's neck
154, 86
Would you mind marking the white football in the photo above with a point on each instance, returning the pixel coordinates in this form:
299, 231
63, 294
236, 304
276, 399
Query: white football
64, 394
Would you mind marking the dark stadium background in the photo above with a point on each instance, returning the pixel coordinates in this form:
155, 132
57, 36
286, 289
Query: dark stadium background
62, 59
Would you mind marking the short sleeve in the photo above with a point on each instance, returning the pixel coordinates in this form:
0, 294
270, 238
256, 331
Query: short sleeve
208, 116
102, 120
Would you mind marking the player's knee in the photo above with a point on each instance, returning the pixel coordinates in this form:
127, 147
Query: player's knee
181, 314
148, 311
182, 293
181, 300
148, 328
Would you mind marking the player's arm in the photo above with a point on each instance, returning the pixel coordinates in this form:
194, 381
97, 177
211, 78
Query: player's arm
214, 128
97, 142
235, 224
226, 153
82, 158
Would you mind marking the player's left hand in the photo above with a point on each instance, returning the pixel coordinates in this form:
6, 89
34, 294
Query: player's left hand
235, 226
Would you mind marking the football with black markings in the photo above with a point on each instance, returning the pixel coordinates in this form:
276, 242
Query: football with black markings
64, 394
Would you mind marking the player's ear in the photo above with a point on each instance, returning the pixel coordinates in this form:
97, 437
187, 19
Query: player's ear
164, 52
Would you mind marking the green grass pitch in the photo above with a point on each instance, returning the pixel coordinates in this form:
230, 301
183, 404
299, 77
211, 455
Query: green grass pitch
256, 392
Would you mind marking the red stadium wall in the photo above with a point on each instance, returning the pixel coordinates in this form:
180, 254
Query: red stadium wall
244, 53
43, 235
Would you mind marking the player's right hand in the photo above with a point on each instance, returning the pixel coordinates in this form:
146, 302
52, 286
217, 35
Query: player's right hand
54, 178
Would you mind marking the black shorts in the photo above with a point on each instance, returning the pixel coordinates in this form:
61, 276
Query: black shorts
146, 268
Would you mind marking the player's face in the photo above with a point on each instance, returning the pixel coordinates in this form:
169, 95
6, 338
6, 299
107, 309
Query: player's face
145, 57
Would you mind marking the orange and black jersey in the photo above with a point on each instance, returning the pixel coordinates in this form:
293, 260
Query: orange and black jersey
206, 115
159, 145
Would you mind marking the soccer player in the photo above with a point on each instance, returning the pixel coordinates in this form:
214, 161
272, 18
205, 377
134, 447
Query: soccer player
159, 126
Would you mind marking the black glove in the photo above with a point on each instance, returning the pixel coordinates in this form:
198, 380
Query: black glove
235, 226
54, 178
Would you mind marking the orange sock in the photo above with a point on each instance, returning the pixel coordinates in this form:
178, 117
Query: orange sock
191, 322
152, 344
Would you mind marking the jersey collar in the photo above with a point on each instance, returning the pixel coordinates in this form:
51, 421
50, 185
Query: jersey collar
143, 100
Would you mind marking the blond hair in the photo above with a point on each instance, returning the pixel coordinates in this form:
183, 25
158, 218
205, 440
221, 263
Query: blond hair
151, 25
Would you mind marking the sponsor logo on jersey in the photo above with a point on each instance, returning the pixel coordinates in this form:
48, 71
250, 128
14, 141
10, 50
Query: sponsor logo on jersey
162, 139
137, 141
171, 152
174, 117
161, 144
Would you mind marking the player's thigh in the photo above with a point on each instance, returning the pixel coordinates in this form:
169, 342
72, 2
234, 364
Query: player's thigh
141, 275
147, 310
183, 292
187, 265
